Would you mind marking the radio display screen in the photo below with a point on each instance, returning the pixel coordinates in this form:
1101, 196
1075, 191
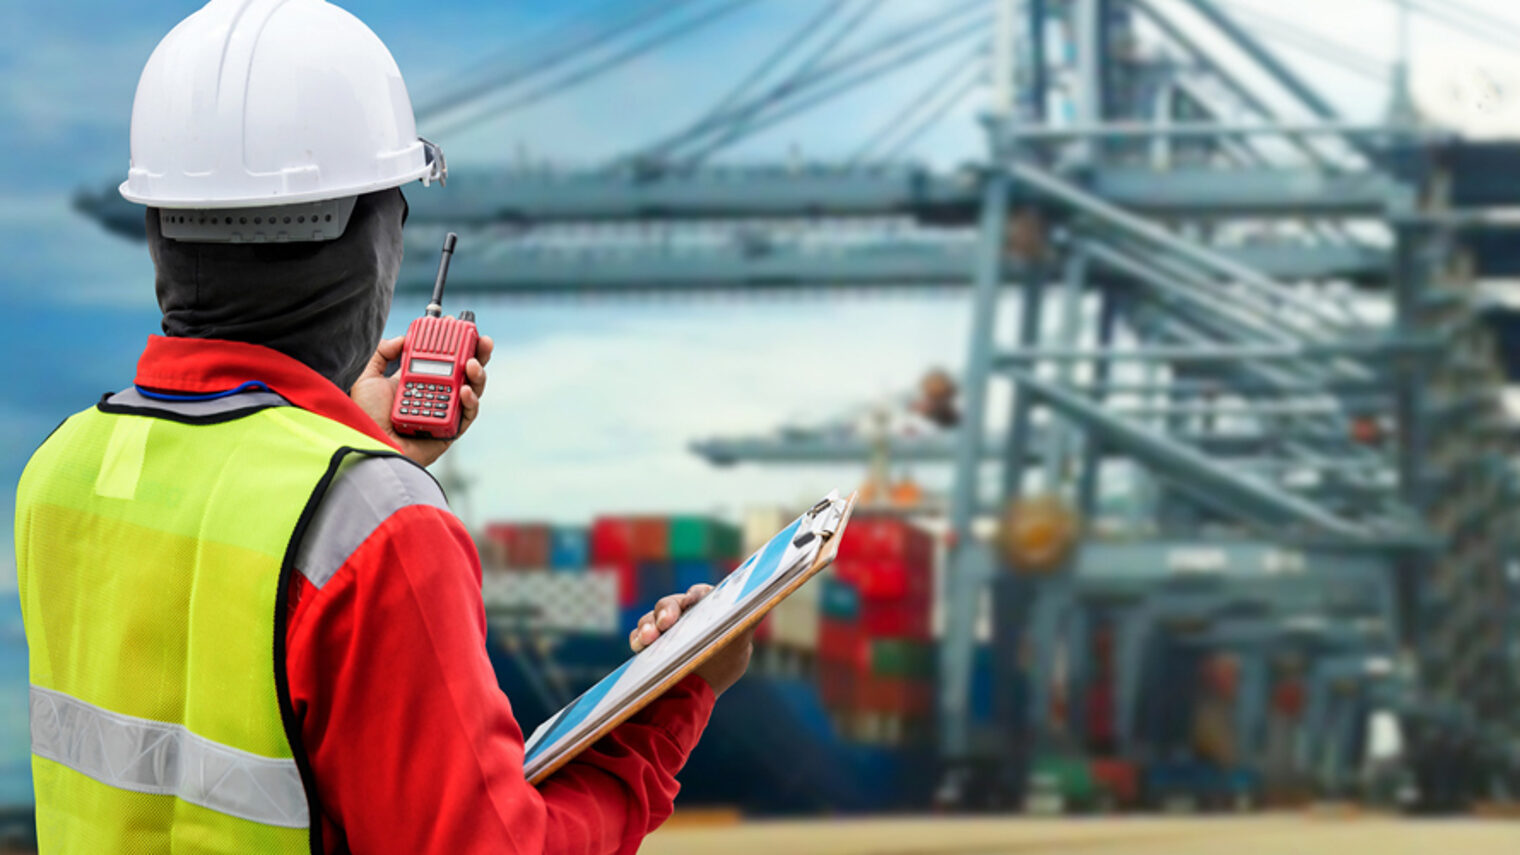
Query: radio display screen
435, 367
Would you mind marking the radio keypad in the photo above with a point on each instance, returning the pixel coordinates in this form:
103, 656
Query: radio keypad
426, 400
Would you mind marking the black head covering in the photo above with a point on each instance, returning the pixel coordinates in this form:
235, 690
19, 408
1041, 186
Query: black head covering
321, 302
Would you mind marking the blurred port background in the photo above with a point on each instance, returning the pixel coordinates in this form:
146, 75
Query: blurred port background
1171, 343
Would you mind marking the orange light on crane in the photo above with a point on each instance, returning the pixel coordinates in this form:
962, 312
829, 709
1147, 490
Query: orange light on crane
1036, 534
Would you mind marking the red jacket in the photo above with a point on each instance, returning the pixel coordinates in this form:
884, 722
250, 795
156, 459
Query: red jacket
413, 745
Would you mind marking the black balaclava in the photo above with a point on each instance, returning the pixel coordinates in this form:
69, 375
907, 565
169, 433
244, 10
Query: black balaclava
321, 302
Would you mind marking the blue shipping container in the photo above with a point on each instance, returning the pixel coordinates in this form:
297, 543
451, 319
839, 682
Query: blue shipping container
656, 579
569, 548
694, 571
629, 616
840, 600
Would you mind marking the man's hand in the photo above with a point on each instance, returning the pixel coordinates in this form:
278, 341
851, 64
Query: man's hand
724, 668
374, 393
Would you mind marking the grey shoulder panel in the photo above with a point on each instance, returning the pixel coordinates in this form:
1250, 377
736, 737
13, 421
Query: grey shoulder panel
130, 397
365, 493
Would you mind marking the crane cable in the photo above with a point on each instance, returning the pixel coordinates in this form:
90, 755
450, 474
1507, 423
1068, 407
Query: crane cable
910, 111
543, 60
929, 121
791, 42
733, 123
792, 81
1329, 50
870, 74
794, 41
584, 74
1481, 25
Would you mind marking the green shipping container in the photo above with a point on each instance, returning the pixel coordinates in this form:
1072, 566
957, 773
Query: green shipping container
1072, 777
702, 539
891, 657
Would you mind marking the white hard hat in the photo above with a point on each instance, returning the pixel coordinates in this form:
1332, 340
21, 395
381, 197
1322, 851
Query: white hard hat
249, 104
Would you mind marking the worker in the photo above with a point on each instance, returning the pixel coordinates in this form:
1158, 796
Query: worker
253, 623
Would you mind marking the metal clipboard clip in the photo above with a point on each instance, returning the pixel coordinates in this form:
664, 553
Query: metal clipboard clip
821, 521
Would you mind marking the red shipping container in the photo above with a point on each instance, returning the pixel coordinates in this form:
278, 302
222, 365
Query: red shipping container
836, 684
649, 538
611, 540
528, 548
627, 573
841, 642
886, 579
890, 619
852, 569
888, 538
499, 533
492, 555
896, 695
519, 546
1119, 778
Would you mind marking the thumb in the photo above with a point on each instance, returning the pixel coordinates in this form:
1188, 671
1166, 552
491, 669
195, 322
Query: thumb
388, 350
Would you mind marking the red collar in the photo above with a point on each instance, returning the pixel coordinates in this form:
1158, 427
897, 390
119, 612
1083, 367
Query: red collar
203, 366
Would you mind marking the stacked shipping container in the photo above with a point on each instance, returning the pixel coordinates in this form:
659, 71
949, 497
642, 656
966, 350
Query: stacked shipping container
520, 546
655, 556
862, 630
863, 627
650, 556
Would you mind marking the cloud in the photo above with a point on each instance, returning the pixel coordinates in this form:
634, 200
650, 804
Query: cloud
599, 418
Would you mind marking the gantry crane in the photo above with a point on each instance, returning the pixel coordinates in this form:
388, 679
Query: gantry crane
1265, 320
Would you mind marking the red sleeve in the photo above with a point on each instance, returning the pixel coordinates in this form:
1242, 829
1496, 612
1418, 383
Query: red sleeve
413, 745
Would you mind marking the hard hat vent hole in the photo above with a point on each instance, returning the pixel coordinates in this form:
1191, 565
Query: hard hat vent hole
300, 219
258, 221
287, 221
242, 221
229, 221
328, 218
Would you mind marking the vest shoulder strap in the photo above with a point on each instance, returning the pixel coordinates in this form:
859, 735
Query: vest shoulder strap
366, 491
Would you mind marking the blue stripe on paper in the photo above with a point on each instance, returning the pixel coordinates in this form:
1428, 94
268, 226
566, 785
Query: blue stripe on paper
770, 559
578, 710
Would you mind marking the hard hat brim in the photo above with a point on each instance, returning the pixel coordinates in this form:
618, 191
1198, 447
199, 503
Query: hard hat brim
423, 173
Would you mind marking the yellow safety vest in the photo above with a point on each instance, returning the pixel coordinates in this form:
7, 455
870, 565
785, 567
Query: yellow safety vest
154, 546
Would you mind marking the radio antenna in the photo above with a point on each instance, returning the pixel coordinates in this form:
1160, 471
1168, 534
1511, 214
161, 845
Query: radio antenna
435, 308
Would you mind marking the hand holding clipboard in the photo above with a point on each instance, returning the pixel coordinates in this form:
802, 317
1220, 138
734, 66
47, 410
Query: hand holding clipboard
787, 561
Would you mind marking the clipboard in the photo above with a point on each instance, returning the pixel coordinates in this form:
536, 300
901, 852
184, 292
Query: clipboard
785, 563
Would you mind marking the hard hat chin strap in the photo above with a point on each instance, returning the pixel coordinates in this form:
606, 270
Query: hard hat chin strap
438, 168
305, 221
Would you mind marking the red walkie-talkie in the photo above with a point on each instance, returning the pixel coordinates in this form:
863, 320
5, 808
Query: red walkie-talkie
432, 365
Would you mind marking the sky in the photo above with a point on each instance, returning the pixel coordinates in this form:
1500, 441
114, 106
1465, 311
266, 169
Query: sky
591, 404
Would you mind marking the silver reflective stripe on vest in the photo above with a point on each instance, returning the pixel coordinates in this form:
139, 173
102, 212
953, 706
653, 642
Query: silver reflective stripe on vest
130, 397
364, 495
156, 757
